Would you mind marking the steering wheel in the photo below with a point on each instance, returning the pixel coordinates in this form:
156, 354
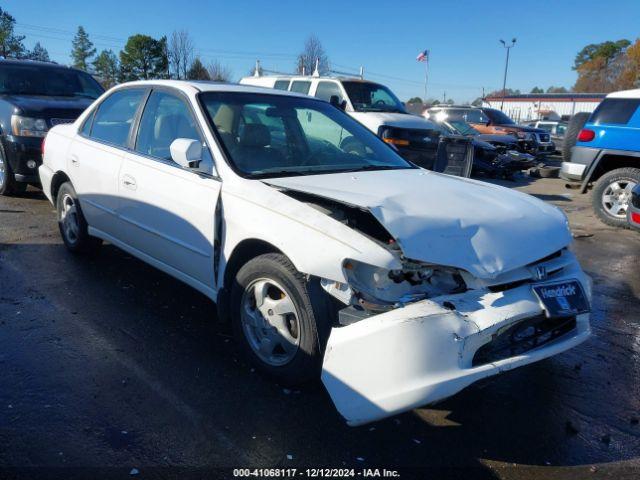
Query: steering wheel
381, 103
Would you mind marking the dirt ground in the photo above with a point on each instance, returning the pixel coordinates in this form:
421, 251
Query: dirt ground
107, 365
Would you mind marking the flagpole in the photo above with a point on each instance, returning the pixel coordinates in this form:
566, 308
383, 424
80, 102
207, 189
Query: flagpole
426, 75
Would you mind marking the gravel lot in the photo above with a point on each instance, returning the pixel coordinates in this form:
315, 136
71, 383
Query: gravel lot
108, 363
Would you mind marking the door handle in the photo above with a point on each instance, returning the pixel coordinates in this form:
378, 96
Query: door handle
74, 161
129, 182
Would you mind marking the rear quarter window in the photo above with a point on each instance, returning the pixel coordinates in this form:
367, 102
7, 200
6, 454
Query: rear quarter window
615, 111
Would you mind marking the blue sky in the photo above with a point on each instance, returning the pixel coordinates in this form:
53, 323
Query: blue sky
383, 36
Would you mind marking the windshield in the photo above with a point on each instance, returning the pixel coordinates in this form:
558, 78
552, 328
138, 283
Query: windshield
498, 117
275, 136
463, 128
371, 97
48, 81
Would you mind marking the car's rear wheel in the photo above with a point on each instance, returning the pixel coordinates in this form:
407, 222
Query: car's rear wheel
612, 194
278, 322
72, 224
8, 184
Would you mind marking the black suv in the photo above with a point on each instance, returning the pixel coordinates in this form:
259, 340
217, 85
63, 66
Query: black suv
35, 96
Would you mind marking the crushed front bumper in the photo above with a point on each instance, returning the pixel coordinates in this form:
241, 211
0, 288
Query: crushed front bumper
424, 352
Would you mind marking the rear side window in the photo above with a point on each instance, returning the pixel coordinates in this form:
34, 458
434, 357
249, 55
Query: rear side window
615, 111
113, 120
281, 85
300, 86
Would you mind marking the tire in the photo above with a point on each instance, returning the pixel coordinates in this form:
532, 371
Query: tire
549, 172
612, 193
72, 224
571, 135
295, 356
8, 184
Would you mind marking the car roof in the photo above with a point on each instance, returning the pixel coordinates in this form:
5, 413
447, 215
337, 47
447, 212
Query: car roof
625, 94
35, 63
189, 86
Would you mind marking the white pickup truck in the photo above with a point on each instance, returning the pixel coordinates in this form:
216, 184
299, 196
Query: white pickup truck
377, 108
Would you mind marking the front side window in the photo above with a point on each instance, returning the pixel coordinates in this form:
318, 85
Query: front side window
326, 90
47, 81
276, 136
113, 120
165, 119
300, 86
371, 97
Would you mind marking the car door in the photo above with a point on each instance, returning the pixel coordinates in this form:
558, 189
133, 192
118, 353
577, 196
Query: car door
96, 154
168, 212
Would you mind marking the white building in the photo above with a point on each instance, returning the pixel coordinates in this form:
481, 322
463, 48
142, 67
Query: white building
552, 106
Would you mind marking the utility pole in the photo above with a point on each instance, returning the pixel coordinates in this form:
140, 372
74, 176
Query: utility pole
506, 67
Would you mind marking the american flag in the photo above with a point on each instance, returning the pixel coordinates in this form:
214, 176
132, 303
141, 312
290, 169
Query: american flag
423, 56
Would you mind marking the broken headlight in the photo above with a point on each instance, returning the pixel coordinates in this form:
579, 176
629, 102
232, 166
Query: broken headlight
376, 288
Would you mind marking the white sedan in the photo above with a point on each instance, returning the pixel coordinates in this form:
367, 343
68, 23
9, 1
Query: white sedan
397, 286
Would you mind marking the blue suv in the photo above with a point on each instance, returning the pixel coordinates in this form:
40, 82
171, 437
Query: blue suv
607, 156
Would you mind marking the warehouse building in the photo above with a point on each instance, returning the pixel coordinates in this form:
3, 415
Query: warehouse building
551, 106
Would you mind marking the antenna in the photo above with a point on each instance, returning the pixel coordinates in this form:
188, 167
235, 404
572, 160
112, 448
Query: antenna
316, 72
361, 73
256, 72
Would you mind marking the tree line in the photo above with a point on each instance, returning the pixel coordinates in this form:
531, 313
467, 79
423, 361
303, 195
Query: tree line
144, 57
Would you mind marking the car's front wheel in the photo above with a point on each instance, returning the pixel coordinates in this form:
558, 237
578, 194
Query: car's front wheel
612, 194
72, 224
279, 319
8, 184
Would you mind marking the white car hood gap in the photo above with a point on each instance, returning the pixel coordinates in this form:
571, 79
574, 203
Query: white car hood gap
478, 227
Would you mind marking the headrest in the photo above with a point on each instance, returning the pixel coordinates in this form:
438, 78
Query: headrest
255, 135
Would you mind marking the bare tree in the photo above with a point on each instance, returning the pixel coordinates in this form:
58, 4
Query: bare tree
180, 53
313, 53
219, 72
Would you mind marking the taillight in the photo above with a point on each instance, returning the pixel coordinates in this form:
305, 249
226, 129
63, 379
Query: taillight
635, 217
586, 135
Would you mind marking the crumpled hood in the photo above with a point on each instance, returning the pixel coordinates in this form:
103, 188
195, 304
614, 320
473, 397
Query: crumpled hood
478, 227
373, 120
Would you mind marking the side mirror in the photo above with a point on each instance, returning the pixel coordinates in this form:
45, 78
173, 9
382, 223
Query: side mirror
335, 101
186, 152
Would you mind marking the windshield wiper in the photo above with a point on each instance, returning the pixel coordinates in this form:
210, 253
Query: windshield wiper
365, 168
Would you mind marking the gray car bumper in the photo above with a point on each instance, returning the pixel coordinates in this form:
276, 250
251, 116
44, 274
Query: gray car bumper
581, 158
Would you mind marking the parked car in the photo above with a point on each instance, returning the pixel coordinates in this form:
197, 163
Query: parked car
557, 130
633, 214
34, 96
397, 286
494, 155
607, 156
377, 108
491, 121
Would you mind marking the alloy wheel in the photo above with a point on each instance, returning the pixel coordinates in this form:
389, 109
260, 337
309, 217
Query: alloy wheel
270, 322
616, 198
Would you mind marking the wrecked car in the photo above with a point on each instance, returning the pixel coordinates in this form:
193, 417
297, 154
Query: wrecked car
397, 286
496, 156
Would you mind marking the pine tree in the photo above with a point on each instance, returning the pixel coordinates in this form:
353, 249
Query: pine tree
39, 53
82, 49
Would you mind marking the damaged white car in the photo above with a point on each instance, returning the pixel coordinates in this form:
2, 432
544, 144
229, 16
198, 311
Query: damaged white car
398, 286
